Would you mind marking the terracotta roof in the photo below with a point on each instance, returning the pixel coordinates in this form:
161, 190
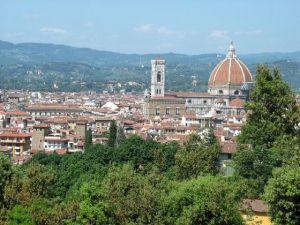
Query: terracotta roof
254, 204
128, 122
229, 147
53, 107
41, 125
17, 113
237, 102
52, 138
104, 119
230, 71
15, 135
189, 115
61, 151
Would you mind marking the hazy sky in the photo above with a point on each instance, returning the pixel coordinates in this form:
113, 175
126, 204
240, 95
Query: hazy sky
155, 26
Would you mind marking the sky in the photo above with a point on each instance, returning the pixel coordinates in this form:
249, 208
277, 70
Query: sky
155, 26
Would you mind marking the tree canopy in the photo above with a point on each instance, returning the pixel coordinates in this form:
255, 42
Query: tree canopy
271, 111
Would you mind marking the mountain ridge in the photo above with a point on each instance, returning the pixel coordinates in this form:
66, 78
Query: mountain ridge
30, 52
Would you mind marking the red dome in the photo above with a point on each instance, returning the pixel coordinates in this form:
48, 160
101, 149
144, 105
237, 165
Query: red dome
230, 71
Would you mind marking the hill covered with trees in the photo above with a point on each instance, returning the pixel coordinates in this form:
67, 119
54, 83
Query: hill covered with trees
49, 67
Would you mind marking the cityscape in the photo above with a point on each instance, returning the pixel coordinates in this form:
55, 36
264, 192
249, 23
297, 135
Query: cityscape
91, 136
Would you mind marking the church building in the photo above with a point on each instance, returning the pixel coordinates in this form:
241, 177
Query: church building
157, 104
229, 86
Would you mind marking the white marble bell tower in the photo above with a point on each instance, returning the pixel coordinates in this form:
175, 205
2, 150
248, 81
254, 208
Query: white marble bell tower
158, 77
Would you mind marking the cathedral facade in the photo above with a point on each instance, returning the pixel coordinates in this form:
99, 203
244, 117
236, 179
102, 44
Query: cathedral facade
229, 86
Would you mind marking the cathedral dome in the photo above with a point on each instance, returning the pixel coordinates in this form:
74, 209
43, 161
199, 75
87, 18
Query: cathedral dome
231, 71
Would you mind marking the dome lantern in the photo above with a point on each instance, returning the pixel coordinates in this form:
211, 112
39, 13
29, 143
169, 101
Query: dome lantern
231, 51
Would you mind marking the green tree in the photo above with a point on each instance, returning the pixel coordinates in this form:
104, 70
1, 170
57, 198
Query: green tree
164, 155
136, 150
271, 111
6, 172
272, 118
112, 134
120, 138
254, 165
88, 139
197, 157
131, 197
39, 182
92, 208
282, 195
20, 215
286, 150
205, 201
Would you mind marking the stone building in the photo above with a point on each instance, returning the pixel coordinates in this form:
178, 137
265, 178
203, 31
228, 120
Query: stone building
229, 86
39, 132
78, 126
157, 104
14, 144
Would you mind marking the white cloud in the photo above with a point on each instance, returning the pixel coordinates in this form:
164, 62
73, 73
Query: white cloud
164, 30
146, 28
151, 28
55, 30
219, 34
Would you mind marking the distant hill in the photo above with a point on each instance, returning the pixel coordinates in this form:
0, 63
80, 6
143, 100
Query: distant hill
45, 66
36, 53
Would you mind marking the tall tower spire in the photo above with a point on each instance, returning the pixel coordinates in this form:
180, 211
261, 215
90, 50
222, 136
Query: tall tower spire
231, 51
158, 77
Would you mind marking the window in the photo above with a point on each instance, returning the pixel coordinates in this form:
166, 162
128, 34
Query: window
220, 92
204, 101
157, 111
158, 76
177, 111
236, 92
168, 111
189, 101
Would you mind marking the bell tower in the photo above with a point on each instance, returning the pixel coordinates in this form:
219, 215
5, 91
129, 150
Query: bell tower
158, 77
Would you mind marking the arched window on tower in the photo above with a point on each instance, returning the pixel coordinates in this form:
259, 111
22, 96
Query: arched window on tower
220, 92
236, 92
158, 76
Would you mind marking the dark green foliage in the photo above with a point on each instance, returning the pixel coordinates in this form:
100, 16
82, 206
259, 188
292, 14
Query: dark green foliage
269, 138
92, 207
283, 196
88, 139
286, 150
205, 201
19, 215
112, 134
120, 138
136, 150
272, 111
164, 156
131, 197
5, 174
256, 165
197, 157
